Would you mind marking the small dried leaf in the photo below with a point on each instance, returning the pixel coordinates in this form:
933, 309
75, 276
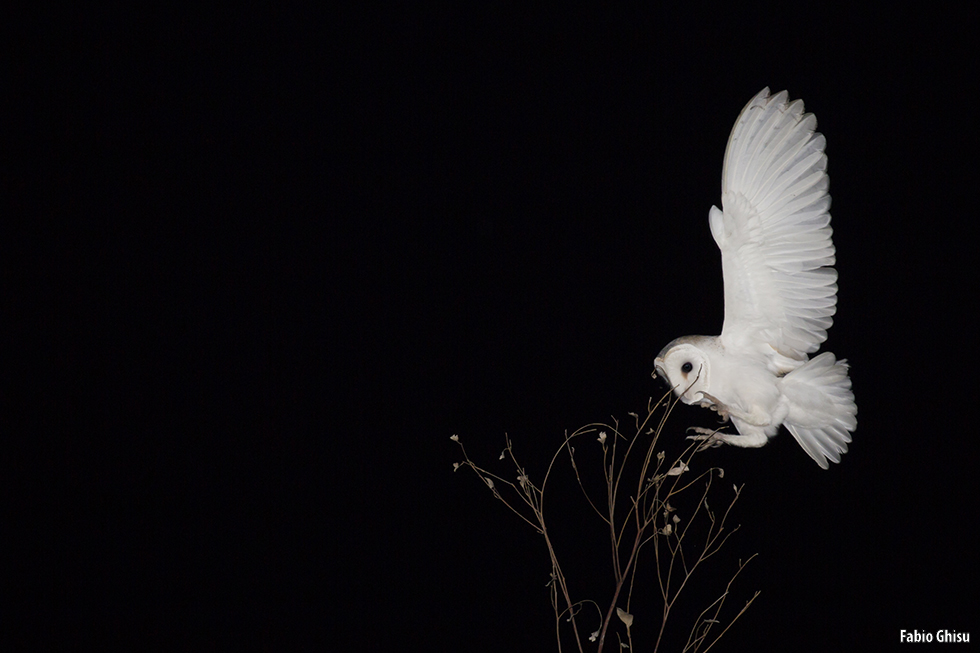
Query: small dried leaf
677, 470
625, 617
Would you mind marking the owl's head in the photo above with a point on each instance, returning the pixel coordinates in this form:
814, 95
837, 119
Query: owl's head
684, 364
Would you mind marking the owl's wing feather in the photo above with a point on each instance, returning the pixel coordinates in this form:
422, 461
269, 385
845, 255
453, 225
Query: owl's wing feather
774, 233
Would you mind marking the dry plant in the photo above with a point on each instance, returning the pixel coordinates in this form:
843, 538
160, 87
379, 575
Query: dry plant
645, 519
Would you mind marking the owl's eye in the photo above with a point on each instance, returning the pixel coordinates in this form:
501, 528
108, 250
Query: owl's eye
686, 367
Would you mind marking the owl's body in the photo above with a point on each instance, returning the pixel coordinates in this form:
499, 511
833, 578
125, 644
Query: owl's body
780, 292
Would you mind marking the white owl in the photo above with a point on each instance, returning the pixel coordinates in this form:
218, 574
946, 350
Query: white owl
780, 292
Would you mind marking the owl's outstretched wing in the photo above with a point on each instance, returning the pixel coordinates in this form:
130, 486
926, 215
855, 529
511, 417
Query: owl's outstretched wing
774, 233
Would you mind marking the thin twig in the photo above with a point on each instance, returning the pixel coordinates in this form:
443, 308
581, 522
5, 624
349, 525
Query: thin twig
648, 511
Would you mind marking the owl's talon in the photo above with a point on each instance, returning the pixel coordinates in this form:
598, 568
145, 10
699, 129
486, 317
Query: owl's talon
714, 404
710, 438
700, 431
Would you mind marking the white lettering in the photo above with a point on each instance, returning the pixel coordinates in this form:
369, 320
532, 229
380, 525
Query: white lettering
951, 637
944, 636
914, 636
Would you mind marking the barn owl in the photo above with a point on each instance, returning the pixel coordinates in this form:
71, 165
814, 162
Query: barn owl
780, 293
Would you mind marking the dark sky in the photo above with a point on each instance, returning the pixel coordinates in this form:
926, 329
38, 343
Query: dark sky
272, 261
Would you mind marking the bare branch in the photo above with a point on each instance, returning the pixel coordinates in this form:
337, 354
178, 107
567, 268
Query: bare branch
648, 516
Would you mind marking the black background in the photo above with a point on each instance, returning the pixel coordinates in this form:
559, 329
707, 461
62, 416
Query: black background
267, 261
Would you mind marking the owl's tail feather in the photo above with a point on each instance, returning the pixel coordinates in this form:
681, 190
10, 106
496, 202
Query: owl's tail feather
822, 410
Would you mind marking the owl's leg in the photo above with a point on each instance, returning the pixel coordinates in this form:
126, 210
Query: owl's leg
711, 402
710, 437
752, 439
715, 404
756, 417
749, 435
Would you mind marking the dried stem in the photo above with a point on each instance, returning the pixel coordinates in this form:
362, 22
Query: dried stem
648, 517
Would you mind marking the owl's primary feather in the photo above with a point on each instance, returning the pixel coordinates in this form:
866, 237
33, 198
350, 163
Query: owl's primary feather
780, 291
